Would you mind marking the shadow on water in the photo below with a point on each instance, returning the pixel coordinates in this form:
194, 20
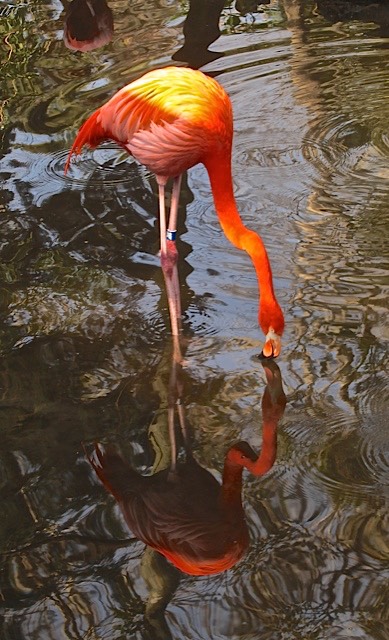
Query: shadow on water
89, 23
362, 10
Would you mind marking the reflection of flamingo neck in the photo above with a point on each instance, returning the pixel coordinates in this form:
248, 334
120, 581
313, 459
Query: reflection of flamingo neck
231, 489
268, 453
272, 411
219, 170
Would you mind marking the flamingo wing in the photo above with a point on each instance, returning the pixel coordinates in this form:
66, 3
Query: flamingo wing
167, 119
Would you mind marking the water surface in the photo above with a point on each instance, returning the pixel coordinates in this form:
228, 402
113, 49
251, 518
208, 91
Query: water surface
84, 337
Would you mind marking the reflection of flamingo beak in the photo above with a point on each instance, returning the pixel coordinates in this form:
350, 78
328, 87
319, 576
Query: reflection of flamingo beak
272, 346
274, 397
272, 373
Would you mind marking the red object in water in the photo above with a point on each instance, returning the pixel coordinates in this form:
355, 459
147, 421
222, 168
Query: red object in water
170, 120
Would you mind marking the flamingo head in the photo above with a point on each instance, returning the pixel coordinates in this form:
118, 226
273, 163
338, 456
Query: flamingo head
271, 321
272, 346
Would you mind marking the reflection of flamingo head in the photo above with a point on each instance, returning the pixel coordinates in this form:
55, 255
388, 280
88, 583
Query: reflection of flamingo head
241, 455
274, 399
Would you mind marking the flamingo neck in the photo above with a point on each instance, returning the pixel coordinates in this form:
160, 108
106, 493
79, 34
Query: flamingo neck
219, 171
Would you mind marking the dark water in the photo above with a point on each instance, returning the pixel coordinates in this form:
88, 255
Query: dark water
84, 337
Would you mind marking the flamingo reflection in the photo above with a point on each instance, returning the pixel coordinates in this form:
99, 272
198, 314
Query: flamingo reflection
182, 511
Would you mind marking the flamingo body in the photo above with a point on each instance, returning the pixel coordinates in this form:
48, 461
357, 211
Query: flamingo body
185, 515
170, 120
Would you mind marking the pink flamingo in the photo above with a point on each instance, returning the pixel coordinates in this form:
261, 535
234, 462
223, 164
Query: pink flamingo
170, 120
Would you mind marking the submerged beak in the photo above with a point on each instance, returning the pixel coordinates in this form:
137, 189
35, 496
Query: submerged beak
272, 346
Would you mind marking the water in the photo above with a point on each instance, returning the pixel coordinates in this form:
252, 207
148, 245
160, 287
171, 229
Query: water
86, 352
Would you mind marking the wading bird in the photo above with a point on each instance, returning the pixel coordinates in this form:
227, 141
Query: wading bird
170, 120
182, 511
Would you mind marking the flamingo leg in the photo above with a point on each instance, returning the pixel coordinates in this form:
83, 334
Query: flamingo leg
171, 242
175, 402
172, 438
173, 397
162, 213
174, 205
169, 255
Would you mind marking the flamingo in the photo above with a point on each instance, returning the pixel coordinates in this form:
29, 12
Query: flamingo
171, 119
182, 511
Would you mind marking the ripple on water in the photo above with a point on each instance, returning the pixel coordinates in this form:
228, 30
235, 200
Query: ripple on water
337, 454
372, 393
283, 596
276, 156
42, 173
373, 403
351, 465
107, 164
376, 461
343, 147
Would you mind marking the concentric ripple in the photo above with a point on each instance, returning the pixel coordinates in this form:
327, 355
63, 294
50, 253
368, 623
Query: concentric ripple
43, 174
341, 466
107, 164
353, 464
376, 461
276, 156
344, 147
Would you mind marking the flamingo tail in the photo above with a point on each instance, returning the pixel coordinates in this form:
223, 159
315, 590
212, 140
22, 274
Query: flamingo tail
91, 133
115, 474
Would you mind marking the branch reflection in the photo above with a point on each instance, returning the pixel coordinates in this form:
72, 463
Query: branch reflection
201, 29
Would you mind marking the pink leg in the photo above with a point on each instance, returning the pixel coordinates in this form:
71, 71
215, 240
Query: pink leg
162, 212
174, 206
169, 258
171, 234
169, 255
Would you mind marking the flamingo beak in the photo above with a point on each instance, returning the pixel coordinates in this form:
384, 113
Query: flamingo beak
272, 346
